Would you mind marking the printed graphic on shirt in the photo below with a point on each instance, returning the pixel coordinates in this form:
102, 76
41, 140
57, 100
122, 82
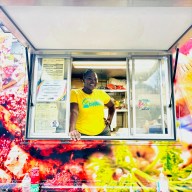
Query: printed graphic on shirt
88, 102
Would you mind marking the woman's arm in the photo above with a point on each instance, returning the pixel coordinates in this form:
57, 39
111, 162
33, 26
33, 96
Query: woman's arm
111, 111
74, 111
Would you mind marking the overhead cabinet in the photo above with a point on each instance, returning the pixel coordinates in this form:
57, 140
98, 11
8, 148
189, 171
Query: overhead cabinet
141, 88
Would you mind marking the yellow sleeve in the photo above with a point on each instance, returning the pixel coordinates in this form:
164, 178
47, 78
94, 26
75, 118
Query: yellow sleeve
73, 98
106, 97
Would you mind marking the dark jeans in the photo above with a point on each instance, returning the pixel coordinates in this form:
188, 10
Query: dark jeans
105, 132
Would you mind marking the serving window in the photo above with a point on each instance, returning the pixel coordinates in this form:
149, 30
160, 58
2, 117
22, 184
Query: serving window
150, 115
141, 89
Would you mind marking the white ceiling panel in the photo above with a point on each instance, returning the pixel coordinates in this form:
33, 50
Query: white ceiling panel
111, 28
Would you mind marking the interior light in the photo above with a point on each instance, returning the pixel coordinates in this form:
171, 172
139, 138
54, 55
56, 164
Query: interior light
100, 64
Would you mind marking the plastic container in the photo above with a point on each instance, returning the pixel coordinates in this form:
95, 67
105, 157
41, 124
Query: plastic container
26, 183
163, 183
35, 188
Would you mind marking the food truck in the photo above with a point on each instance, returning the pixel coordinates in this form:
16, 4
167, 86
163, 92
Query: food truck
142, 54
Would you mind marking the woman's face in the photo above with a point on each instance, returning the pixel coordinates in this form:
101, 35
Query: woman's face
90, 81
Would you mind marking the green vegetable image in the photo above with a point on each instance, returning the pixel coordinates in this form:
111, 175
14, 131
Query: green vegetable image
136, 167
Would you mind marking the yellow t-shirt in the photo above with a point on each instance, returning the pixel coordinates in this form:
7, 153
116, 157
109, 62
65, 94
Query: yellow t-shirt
90, 120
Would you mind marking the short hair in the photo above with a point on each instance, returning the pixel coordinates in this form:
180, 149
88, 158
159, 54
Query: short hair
87, 72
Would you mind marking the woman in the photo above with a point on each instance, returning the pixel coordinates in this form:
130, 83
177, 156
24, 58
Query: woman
87, 109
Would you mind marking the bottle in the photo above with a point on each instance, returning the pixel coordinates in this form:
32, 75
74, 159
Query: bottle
26, 183
131, 189
163, 183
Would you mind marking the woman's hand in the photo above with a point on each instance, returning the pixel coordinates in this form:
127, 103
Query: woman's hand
111, 111
75, 135
74, 111
107, 122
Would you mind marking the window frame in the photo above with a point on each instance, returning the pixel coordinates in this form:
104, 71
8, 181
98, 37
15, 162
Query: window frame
30, 116
170, 97
29, 134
